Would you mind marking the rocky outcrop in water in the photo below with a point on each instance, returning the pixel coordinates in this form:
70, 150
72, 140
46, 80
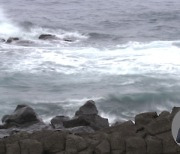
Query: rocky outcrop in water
149, 134
47, 37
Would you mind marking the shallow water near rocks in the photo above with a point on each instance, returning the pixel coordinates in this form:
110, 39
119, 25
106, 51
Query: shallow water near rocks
124, 55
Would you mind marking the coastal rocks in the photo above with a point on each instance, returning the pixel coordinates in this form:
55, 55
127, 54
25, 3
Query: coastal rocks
135, 145
150, 134
94, 121
117, 142
21, 117
29, 146
12, 39
89, 108
145, 118
75, 144
87, 115
47, 37
154, 145
80, 130
57, 122
103, 148
159, 126
53, 37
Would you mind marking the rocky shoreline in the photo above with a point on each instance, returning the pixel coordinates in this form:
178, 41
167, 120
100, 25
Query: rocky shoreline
23, 132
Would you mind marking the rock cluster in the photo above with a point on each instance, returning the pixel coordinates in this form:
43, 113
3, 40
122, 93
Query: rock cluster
44, 37
149, 134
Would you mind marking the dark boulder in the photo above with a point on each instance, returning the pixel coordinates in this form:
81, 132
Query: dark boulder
154, 145
47, 37
75, 144
103, 148
145, 118
29, 146
68, 40
22, 116
135, 145
94, 121
57, 122
12, 39
168, 143
164, 114
80, 130
159, 126
89, 108
117, 142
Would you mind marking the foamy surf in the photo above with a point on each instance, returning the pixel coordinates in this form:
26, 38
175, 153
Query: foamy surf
136, 58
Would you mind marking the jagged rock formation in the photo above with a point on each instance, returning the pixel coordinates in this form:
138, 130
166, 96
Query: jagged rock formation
149, 134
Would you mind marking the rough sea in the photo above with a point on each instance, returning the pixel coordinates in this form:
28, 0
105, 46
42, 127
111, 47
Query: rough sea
124, 54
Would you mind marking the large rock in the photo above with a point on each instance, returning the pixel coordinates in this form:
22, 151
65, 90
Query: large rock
168, 143
164, 114
145, 118
126, 129
57, 122
80, 130
88, 108
159, 126
30, 146
52, 141
154, 145
2, 147
94, 121
117, 143
13, 148
12, 39
135, 145
22, 116
47, 37
103, 148
75, 144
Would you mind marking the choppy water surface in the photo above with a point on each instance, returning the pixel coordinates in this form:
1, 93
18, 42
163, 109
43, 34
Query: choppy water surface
124, 55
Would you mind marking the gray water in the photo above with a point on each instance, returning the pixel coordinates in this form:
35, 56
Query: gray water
125, 55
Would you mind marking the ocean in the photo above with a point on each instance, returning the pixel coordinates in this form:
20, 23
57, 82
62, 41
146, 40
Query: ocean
123, 54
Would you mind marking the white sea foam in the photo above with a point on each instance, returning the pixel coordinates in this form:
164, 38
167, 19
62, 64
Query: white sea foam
7, 26
134, 59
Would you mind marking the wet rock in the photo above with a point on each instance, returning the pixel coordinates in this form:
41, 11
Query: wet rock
80, 130
47, 37
68, 40
164, 114
145, 118
168, 143
154, 145
21, 117
57, 122
88, 151
75, 144
116, 152
13, 148
2, 147
135, 145
52, 141
30, 146
126, 129
103, 148
94, 121
12, 39
159, 126
89, 108
117, 143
